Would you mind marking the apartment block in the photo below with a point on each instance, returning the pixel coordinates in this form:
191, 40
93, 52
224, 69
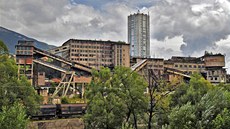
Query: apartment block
95, 53
139, 35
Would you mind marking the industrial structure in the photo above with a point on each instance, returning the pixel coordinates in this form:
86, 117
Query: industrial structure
210, 66
139, 35
95, 53
70, 65
40, 66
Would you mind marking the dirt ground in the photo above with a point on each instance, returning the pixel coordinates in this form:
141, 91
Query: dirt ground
73, 123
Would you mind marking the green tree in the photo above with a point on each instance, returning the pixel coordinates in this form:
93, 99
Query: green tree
14, 88
13, 117
116, 99
183, 117
3, 48
222, 121
159, 100
191, 92
199, 105
132, 87
103, 106
211, 104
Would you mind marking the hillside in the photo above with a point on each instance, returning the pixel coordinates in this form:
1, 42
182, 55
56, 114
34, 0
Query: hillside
10, 38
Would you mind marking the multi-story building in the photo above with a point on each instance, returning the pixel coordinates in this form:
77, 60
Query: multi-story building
211, 66
40, 66
214, 64
188, 65
139, 34
141, 65
95, 53
24, 58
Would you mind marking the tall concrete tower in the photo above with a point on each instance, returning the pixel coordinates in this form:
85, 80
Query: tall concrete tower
139, 34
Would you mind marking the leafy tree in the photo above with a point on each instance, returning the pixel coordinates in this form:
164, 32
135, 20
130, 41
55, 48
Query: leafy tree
211, 104
3, 48
191, 92
158, 93
132, 87
105, 110
199, 105
14, 88
13, 117
116, 99
183, 117
222, 121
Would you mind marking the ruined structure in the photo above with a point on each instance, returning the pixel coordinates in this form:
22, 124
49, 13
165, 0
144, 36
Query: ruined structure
210, 66
40, 66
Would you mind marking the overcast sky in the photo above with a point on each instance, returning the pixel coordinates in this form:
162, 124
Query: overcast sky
178, 27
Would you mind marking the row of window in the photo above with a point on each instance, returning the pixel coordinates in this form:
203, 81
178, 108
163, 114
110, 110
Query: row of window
91, 59
27, 52
84, 55
93, 51
24, 48
159, 66
213, 78
94, 47
96, 65
189, 66
91, 55
214, 72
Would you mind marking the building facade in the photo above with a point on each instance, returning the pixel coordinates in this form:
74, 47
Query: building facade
95, 53
139, 35
24, 58
214, 64
210, 66
188, 65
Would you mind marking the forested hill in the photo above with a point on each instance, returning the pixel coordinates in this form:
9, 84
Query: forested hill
10, 38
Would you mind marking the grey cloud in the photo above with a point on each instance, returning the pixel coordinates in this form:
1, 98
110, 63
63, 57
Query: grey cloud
57, 21
162, 52
201, 23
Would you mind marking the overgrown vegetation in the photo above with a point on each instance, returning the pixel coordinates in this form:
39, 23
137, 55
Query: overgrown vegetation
17, 96
116, 100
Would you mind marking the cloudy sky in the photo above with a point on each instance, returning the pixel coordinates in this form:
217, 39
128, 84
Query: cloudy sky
178, 27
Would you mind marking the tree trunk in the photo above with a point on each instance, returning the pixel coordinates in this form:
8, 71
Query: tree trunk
150, 115
128, 115
135, 120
